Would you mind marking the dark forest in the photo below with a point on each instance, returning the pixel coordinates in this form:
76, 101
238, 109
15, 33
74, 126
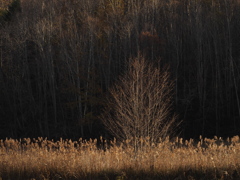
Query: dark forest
58, 59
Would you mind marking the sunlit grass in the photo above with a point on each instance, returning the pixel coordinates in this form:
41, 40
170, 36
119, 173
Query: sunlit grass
66, 159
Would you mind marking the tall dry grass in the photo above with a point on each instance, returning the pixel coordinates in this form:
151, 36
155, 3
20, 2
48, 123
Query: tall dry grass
65, 159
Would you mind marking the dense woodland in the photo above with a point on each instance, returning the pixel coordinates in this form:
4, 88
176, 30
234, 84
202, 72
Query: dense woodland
58, 58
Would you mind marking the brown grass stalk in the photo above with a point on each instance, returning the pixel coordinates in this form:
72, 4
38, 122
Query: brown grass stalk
65, 159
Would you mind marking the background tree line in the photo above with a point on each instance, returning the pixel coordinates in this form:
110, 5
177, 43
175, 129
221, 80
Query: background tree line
58, 59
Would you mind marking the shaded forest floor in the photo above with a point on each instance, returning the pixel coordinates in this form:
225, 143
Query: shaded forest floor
95, 159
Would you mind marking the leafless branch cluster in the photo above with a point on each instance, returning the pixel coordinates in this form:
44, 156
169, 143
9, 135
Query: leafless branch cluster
140, 103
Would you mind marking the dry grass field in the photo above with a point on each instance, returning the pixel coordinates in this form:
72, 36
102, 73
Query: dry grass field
43, 159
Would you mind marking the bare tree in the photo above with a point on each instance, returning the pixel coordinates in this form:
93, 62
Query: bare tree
140, 103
